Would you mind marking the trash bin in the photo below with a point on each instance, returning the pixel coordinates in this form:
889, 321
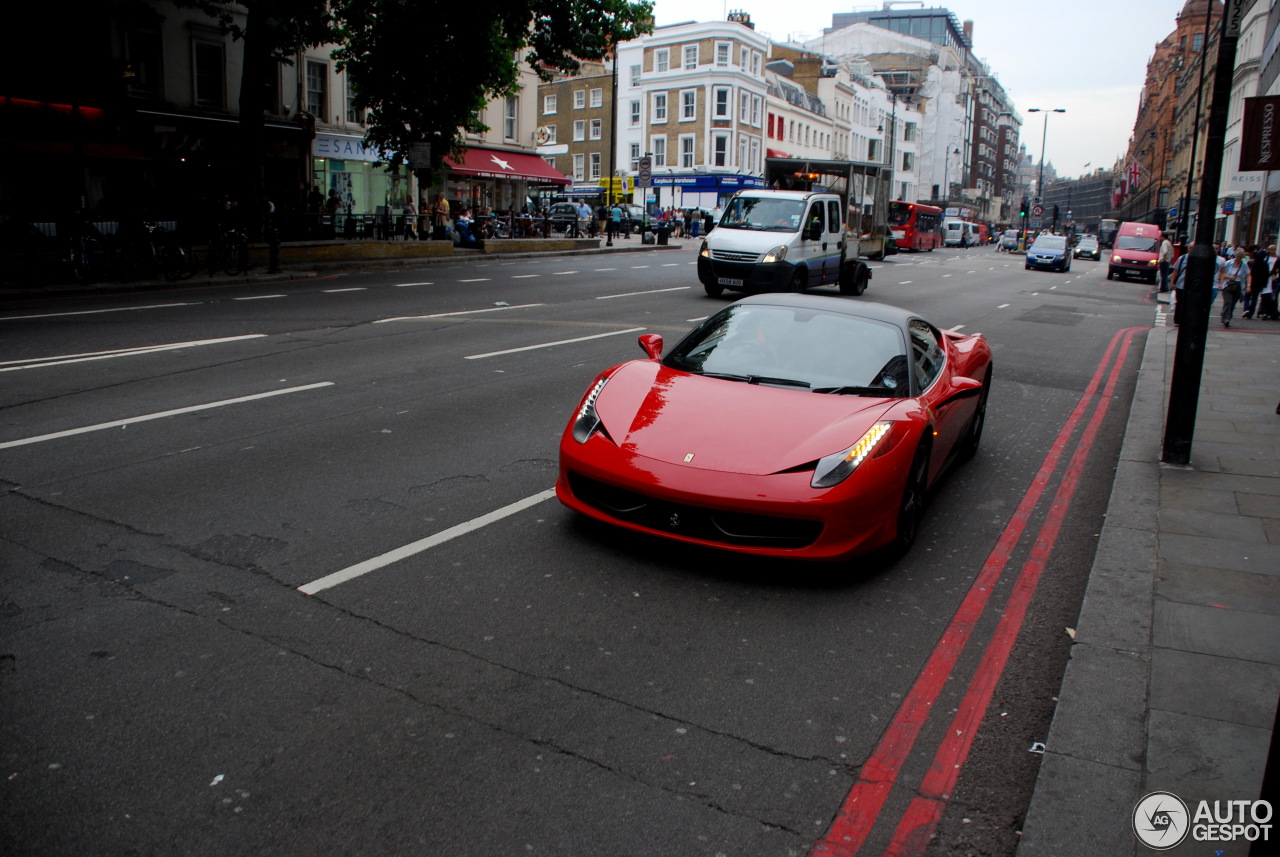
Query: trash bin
664, 232
697, 222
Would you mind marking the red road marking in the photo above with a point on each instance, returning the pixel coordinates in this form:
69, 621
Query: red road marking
861, 807
921, 818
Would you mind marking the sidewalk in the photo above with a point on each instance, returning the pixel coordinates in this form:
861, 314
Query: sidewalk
1174, 676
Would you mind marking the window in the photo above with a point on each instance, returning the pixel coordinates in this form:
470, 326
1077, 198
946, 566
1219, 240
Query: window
688, 105
548, 104
720, 150
510, 127
722, 102
755, 63
596, 126
635, 157
756, 103
595, 165
635, 75
635, 113
722, 54
211, 87
909, 132
354, 113
597, 97
743, 55
925, 353
550, 134
317, 90
578, 173
662, 60
579, 129
687, 142
690, 56
659, 107
744, 107
658, 145
143, 53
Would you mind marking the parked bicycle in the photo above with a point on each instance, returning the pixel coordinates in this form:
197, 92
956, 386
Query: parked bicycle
229, 251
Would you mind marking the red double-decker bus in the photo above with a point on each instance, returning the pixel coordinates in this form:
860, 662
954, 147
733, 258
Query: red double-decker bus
914, 226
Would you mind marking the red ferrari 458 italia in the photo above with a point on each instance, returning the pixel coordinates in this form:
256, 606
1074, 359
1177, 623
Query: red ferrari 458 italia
785, 425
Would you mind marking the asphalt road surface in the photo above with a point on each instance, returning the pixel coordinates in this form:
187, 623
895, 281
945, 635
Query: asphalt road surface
282, 574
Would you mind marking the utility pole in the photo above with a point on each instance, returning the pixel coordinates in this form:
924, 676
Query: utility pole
1188, 359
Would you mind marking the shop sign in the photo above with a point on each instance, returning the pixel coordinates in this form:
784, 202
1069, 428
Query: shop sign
346, 148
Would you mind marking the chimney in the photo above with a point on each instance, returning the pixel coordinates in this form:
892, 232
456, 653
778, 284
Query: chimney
740, 17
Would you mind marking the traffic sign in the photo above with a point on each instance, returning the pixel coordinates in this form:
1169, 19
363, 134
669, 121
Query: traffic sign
1173, 213
1038, 210
644, 172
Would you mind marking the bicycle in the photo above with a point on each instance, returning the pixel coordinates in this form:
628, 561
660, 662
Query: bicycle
229, 250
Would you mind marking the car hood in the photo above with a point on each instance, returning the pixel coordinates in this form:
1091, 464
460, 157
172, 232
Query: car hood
728, 426
747, 240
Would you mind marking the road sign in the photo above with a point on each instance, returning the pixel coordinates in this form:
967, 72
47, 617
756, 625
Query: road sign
420, 155
1038, 210
1173, 213
644, 172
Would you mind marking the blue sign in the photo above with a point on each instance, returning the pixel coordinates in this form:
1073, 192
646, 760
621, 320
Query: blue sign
1173, 212
1228, 206
699, 182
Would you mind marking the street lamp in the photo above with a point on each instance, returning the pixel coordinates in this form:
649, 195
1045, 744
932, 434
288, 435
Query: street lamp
1044, 135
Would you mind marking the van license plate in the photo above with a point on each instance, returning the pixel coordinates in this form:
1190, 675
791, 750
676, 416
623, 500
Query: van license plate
729, 281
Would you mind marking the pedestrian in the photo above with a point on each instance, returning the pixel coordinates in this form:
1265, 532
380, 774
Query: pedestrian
615, 220
1233, 280
1259, 276
1165, 258
410, 219
1179, 283
440, 218
584, 218
1267, 307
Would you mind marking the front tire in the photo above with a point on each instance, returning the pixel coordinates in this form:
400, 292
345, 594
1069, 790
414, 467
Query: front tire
973, 436
798, 282
713, 290
911, 507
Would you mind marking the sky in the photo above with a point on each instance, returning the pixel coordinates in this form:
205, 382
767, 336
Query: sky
1088, 57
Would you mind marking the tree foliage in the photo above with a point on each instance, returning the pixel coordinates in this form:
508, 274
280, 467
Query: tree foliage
425, 69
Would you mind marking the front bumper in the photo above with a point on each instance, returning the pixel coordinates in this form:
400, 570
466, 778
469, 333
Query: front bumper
744, 276
1053, 263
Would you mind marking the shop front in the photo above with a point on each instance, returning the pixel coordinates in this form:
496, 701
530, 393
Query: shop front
495, 180
701, 190
357, 176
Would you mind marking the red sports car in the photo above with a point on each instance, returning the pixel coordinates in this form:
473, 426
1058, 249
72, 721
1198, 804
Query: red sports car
786, 425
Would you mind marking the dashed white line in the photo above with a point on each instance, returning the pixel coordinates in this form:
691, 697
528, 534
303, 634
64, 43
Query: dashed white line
638, 267
552, 344
259, 297
524, 276
352, 289
561, 273
362, 568
407, 285
957, 328
475, 280
650, 292
92, 311
161, 415
459, 312
59, 360
1002, 306
604, 269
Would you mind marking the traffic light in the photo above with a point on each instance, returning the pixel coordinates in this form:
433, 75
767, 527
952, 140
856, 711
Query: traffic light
1022, 212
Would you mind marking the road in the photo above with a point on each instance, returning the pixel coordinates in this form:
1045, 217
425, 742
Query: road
282, 575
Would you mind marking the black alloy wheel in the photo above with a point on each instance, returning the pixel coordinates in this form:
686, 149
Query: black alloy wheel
911, 509
798, 281
973, 437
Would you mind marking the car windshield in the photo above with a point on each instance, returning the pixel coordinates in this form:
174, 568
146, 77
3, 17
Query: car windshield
1049, 242
824, 352
1141, 243
1088, 242
763, 213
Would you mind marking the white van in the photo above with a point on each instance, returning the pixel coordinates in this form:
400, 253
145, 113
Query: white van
771, 240
956, 233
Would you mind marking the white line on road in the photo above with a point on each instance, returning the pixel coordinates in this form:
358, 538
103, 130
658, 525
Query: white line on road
475, 280
407, 285
551, 344
1002, 306
524, 276
161, 415
944, 276
651, 292
604, 269
957, 328
259, 297
351, 289
450, 314
37, 362
905, 282
561, 273
92, 311
362, 568
638, 267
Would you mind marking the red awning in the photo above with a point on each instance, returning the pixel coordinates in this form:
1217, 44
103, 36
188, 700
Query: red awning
494, 163
775, 153
88, 149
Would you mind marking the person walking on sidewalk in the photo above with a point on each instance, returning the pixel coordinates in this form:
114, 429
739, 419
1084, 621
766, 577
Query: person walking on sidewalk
1233, 280
1259, 275
1166, 262
1179, 273
1267, 295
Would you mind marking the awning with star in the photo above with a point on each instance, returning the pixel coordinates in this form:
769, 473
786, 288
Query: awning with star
494, 163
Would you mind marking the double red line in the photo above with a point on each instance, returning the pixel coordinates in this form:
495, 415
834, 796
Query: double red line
860, 812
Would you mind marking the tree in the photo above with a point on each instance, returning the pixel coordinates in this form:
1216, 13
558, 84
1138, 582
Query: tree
425, 69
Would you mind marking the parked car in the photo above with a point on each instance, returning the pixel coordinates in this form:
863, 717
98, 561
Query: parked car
1087, 248
1049, 251
792, 426
563, 217
1009, 241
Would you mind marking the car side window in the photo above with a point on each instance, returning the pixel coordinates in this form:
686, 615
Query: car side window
926, 353
815, 214
833, 216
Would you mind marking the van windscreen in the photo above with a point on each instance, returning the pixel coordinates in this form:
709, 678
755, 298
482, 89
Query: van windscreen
1140, 243
764, 214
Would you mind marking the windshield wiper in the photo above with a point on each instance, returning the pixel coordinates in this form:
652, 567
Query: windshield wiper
881, 392
758, 379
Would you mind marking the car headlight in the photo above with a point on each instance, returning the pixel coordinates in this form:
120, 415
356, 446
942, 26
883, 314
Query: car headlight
835, 468
777, 254
1116, 259
587, 421
1153, 262
703, 251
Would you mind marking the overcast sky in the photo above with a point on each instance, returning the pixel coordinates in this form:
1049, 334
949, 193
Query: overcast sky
1088, 56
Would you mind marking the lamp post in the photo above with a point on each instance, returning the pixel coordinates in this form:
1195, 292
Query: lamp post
1043, 137
613, 143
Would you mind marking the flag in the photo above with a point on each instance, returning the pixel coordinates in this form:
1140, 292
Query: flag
1135, 175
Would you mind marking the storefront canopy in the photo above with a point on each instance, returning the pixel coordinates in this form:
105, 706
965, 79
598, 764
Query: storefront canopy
494, 163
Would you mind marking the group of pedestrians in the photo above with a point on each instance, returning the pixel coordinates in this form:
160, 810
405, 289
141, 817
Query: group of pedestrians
1245, 276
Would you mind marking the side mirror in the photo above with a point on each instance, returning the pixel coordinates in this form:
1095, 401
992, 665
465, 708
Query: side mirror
651, 344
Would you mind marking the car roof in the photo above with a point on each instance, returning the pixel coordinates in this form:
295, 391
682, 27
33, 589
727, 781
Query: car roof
862, 309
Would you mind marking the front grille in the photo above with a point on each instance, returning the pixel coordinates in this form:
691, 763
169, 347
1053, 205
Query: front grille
695, 522
734, 256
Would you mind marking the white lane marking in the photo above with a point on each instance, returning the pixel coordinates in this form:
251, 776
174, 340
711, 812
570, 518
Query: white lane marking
450, 314
407, 285
161, 415
905, 282
37, 362
552, 344
562, 273
651, 292
1002, 306
604, 269
957, 328
638, 267
259, 297
670, 264
524, 276
351, 289
377, 562
92, 311
944, 276
475, 280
